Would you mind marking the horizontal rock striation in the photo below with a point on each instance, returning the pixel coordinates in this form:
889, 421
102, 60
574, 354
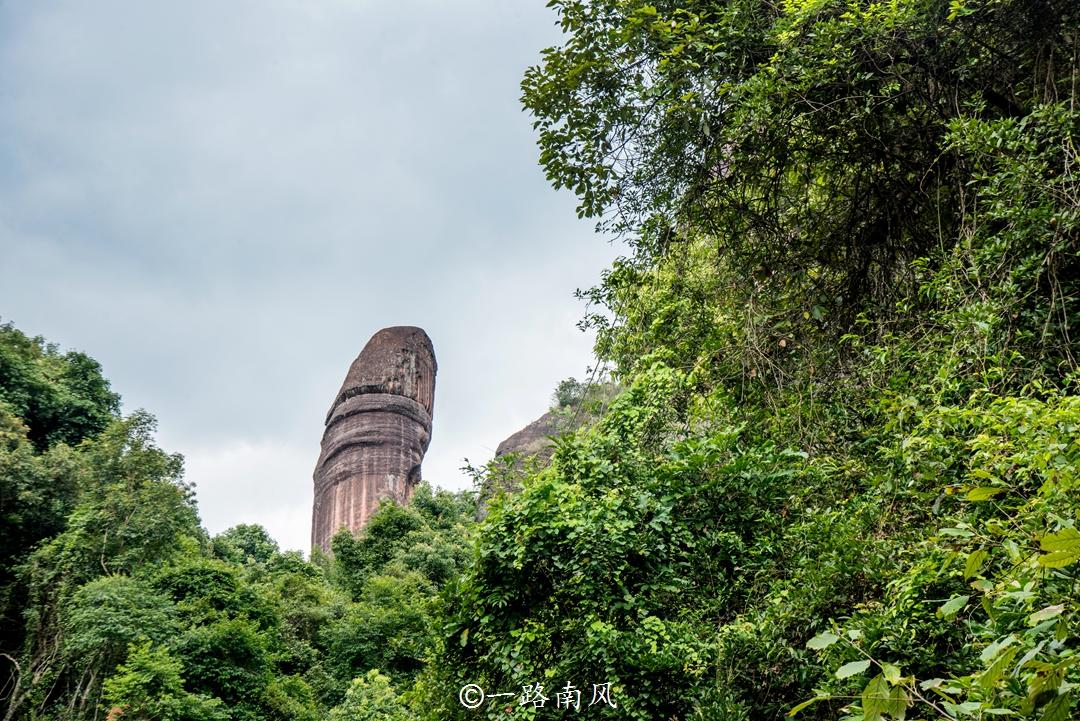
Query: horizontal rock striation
377, 431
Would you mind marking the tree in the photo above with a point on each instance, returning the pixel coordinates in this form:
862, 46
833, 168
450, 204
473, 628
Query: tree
62, 398
149, 687
808, 141
104, 617
370, 698
245, 543
568, 393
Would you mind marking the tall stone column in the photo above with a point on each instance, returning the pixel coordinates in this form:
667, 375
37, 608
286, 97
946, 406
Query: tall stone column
377, 432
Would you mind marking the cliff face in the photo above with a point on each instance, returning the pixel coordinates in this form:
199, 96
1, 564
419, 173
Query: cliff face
530, 447
534, 439
377, 431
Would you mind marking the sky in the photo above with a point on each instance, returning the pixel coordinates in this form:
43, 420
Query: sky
222, 201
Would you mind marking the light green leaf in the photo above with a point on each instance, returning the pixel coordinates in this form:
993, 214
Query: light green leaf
983, 493
1059, 559
852, 668
952, 607
991, 651
1067, 539
1045, 614
989, 678
967, 708
804, 704
891, 673
958, 532
822, 640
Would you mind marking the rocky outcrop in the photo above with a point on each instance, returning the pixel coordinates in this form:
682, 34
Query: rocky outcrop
377, 431
534, 439
530, 448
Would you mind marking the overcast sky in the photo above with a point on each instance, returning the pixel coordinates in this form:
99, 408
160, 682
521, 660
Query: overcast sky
221, 201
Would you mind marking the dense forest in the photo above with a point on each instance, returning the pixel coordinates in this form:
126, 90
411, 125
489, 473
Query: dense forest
840, 479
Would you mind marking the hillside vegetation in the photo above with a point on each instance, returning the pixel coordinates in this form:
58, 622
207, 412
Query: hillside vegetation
840, 480
117, 604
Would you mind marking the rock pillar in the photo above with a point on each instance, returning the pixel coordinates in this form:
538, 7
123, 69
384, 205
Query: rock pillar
377, 431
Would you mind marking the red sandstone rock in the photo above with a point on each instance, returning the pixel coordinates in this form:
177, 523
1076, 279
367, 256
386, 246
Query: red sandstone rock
377, 432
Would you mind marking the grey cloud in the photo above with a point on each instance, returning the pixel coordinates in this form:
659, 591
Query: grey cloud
223, 201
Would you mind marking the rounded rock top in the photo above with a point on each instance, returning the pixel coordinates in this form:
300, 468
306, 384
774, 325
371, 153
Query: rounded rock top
399, 360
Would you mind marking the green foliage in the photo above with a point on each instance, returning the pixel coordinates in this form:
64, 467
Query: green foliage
393, 570
117, 605
568, 393
227, 659
245, 543
840, 483
605, 567
149, 687
370, 698
807, 138
427, 536
1004, 541
108, 614
389, 627
37, 491
83, 600
209, 589
292, 699
62, 398
48, 401
839, 478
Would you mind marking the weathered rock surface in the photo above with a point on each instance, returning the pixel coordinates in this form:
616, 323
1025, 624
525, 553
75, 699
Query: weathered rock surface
531, 447
377, 431
534, 439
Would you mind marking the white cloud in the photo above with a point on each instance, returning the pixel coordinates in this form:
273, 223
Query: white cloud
234, 484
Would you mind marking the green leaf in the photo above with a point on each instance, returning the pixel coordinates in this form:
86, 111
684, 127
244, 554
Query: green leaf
958, 532
989, 678
1067, 539
1059, 559
464, 637
974, 562
1057, 710
852, 668
891, 673
804, 704
822, 640
898, 703
953, 606
1063, 548
1045, 614
876, 698
990, 652
983, 493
